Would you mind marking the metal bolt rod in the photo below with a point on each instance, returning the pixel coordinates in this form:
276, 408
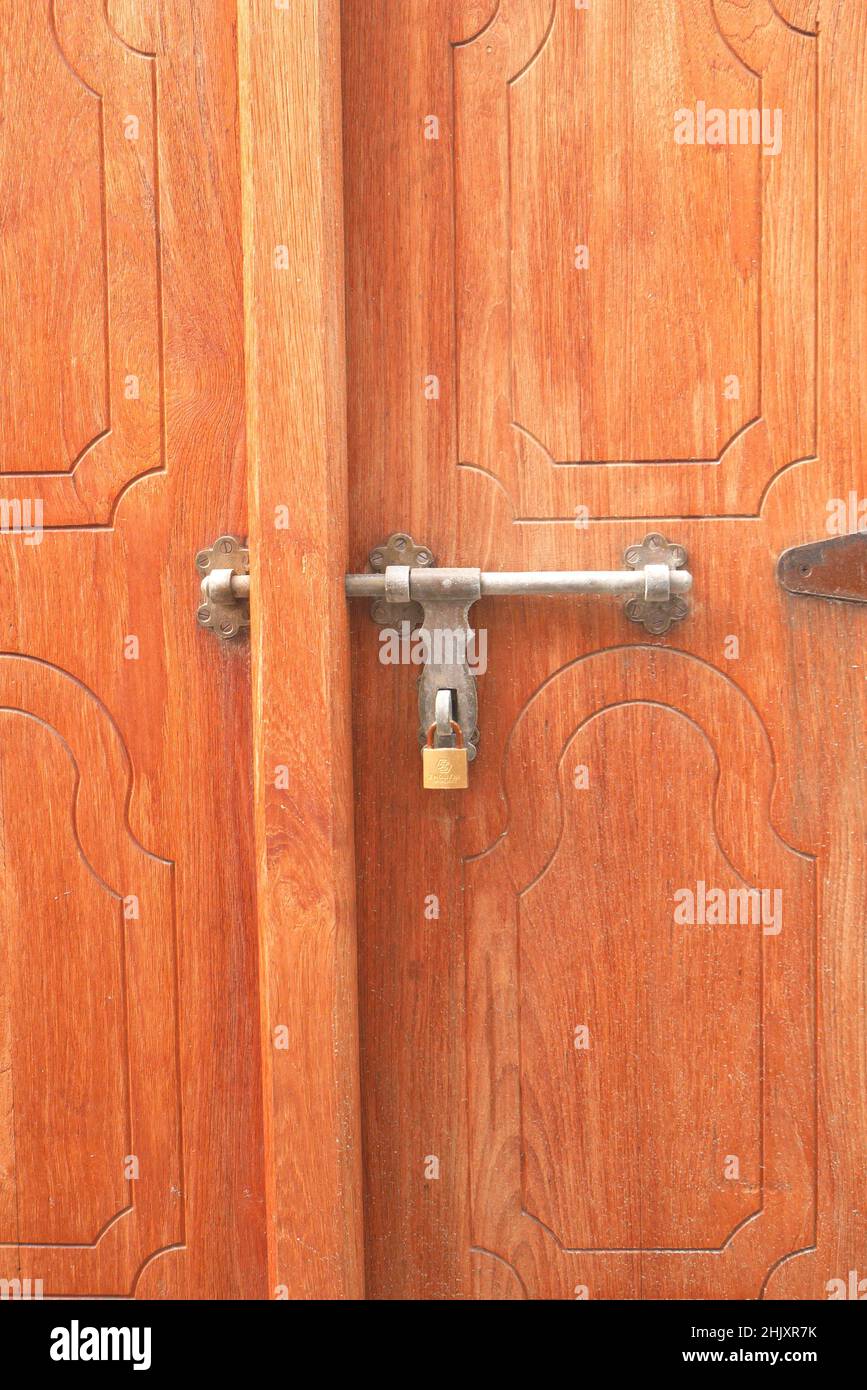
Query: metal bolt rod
238, 584
553, 582
502, 583
431, 583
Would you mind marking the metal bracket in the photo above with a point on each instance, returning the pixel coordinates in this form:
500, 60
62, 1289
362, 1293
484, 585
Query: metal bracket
835, 568
399, 549
407, 588
225, 606
659, 607
442, 623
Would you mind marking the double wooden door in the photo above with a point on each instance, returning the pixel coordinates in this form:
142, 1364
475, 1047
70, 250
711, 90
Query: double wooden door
604, 276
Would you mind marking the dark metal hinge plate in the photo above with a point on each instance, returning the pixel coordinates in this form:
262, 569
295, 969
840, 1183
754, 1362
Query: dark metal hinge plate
835, 568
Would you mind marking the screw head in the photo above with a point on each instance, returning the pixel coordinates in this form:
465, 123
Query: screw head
204, 614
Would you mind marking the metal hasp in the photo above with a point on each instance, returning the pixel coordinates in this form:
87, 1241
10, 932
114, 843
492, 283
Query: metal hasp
407, 587
835, 568
225, 571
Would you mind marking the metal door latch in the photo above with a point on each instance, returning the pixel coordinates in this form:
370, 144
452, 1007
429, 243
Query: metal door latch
225, 571
834, 568
406, 587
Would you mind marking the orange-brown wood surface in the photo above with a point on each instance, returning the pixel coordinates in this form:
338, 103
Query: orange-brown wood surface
564, 329
131, 1156
704, 1138
298, 501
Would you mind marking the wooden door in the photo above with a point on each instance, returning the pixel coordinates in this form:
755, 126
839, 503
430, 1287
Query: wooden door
577, 316
178, 1054
131, 1139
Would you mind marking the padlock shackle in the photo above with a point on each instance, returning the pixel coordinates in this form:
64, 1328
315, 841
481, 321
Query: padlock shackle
456, 730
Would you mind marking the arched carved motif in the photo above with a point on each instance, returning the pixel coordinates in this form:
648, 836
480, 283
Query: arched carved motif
692, 1028
93, 964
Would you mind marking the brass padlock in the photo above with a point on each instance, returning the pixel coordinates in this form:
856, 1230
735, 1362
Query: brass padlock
445, 769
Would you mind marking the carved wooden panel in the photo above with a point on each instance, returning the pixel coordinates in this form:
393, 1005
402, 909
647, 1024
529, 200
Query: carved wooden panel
131, 1152
81, 389
650, 1119
90, 1174
635, 312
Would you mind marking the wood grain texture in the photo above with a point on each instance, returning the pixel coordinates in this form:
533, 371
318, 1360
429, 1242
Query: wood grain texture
603, 1174
129, 1028
90, 421
298, 508
702, 268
